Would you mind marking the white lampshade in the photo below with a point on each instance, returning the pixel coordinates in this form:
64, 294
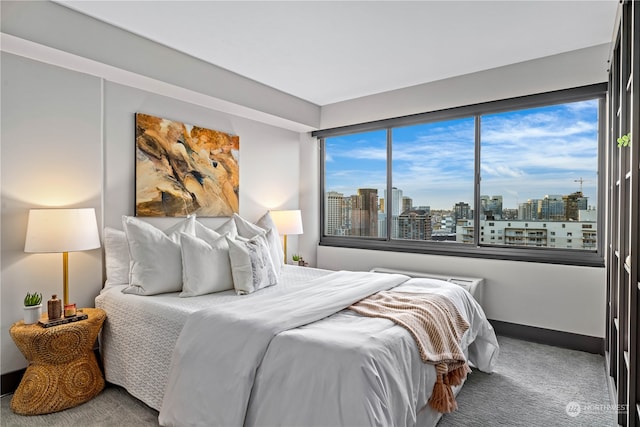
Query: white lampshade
61, 230
287, 222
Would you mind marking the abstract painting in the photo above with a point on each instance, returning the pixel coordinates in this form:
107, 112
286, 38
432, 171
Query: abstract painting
183, 169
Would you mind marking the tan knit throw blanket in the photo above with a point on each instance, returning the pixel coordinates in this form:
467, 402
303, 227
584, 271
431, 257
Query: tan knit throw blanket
437, 327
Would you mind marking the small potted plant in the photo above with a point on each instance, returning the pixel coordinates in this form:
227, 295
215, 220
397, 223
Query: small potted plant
298, 258
32, 308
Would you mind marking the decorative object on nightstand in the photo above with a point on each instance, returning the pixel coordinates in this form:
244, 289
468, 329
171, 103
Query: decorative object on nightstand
54, 307
32, 307
47, 323
299, 260
287, 222
63, 371
62, 230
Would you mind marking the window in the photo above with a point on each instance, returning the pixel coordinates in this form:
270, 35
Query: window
524, 168
355, 173
543, 162
433, 165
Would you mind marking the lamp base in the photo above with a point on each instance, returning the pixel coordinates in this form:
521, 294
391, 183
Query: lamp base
285, 248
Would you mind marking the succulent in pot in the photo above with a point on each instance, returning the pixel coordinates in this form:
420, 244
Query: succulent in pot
299, 260
32, 308
32, 299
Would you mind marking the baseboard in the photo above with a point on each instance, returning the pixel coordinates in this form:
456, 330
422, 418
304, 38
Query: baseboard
10, 381
548, 336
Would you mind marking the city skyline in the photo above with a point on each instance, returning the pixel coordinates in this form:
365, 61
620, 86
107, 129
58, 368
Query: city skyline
557, 221
526, 154
383, 203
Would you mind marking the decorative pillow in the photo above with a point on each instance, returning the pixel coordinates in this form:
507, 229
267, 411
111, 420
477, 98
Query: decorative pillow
267, 223
251, 265
229, 227
248, 230
205, 265
156, 259
204, 232
116, 254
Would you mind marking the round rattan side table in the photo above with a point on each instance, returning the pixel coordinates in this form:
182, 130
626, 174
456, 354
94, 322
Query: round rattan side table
63, 371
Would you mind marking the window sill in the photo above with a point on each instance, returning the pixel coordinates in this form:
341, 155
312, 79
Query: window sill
542, 255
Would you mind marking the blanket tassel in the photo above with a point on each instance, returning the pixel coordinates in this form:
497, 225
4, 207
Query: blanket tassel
457, 376
442, 398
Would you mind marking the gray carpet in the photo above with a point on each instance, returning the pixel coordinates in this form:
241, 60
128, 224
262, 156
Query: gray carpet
531, 386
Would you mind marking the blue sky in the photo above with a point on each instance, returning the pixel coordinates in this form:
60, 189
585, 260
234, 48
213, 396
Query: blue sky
525, 154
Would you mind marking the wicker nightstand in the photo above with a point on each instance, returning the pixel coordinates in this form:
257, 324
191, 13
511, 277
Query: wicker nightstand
63, 371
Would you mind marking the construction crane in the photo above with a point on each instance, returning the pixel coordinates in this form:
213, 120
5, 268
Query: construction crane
581, 181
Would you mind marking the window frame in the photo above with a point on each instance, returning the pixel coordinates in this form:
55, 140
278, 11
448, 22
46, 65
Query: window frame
579, 257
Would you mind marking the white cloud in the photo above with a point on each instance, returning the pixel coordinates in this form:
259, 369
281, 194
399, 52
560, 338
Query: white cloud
524, 155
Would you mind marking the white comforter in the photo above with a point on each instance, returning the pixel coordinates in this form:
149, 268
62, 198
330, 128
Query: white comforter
278, 367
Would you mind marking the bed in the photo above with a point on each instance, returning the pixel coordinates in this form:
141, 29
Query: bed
224, 359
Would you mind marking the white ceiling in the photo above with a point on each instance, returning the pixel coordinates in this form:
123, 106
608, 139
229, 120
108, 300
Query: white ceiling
330, 51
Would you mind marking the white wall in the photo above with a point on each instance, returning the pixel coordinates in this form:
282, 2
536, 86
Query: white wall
51, 157
68, 141
571, 69
564, 298
268, 155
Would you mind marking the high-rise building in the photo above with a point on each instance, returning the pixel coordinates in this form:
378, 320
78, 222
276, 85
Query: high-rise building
484, 202
345, 227
528, 211
407, 204
414, 224
462, 210
551, 208
382, 224
333, 219
491, 207
573, 203
393, 207
364, 213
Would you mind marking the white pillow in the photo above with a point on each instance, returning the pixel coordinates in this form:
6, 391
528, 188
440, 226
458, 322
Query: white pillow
205, 265
267, 223
116, 254
204, 232
251, 265
156, 259
248, 230
229, 227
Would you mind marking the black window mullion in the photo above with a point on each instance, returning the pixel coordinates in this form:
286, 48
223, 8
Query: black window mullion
477, 178
323, 198
387, 205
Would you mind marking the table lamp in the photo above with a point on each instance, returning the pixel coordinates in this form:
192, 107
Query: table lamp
62, 231
287, 222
